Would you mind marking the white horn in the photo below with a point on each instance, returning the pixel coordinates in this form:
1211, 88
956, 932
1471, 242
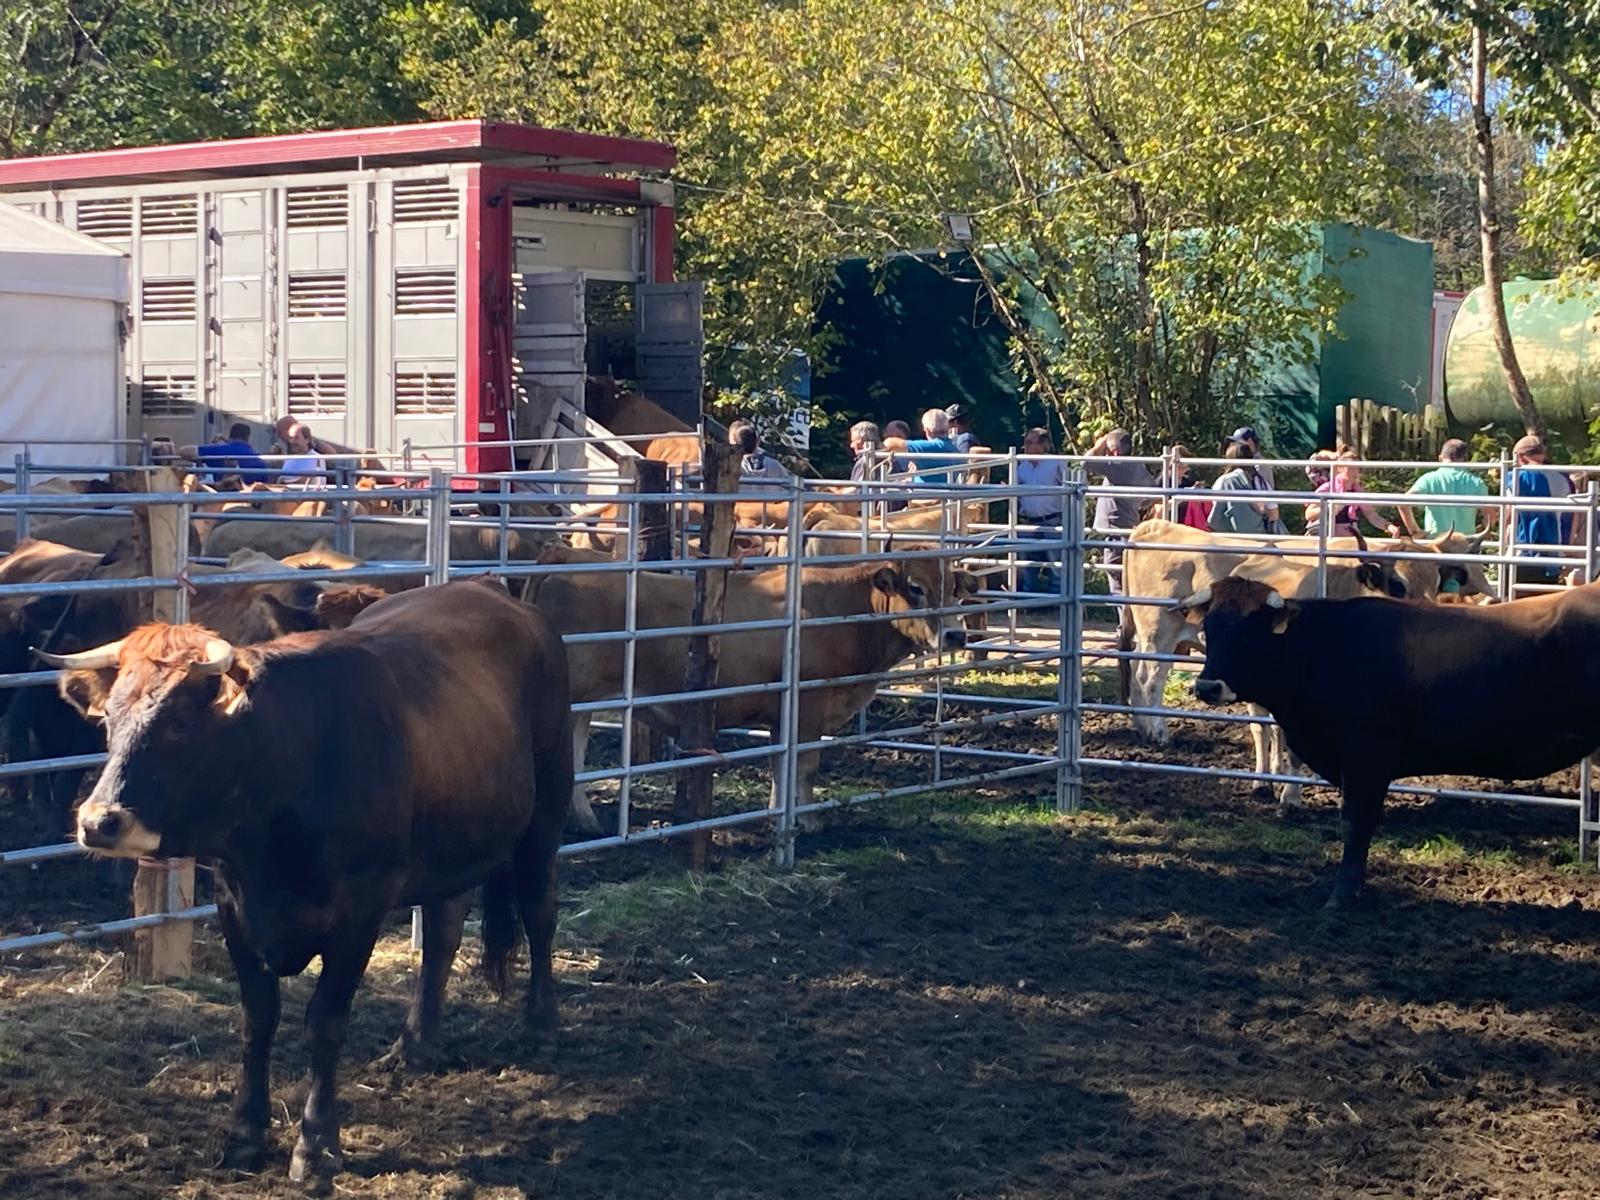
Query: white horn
219, 657
97, 659
1274, 599
1203, 596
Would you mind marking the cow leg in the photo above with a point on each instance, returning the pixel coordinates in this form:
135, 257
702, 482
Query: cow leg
1264, 748
805, 785
1148, 688
582, 814
534, 867
258, 996
316, 1156
535, 870
1363, 805
441, 938
1285, 763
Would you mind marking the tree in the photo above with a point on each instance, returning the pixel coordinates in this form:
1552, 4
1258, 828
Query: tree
1143, 180
1489, 231
1547, 51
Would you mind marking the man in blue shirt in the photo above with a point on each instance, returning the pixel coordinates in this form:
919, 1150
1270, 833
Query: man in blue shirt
1536, 527
935, 440
236, 455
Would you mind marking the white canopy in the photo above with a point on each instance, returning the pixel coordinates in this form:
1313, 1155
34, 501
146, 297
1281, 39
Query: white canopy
62, 297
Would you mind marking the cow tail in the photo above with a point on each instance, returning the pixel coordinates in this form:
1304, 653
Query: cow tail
501, 930
1125, 646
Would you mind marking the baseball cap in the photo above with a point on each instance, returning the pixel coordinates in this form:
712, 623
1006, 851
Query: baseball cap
957, 411
1245, 433
1531, 444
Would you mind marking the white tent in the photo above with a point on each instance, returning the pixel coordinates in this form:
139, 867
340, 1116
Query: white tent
62, 301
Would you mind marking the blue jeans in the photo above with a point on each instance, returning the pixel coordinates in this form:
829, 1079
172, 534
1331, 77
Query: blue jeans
1041, 579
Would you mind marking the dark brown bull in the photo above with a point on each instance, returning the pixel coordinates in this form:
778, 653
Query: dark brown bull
420, 752
1502, 691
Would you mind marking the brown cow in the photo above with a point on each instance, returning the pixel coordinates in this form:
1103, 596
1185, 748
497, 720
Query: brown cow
419, 753
595, 602
469, 540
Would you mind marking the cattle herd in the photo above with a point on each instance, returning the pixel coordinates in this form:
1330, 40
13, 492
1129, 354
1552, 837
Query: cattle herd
434, 743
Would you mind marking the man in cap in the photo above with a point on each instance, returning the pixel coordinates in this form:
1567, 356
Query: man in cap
1537, 527
960, 417
1246, 435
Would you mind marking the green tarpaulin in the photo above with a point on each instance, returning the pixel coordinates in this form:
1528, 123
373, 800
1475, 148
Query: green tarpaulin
920, 333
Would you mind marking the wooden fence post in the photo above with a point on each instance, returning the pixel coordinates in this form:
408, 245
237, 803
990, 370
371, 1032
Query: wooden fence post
163, 885
646, 477
719, 475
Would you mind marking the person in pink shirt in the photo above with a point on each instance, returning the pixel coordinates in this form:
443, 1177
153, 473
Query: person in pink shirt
1347, 478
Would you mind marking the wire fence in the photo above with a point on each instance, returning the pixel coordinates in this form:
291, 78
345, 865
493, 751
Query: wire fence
1006, 552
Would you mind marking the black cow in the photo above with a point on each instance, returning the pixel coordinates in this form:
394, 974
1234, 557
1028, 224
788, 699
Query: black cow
420, 752
1369, 691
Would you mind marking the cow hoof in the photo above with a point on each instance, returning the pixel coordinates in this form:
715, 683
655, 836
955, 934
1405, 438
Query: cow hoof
408, 1054
581, 819
314, 1165
543, 1030
245, 1150
1291, 804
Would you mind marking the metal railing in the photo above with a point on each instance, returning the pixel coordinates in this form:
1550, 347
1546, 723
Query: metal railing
940, 711
1040, 589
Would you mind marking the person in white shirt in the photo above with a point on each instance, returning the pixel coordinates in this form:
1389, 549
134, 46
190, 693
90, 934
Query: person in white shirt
298, 469
1041, 508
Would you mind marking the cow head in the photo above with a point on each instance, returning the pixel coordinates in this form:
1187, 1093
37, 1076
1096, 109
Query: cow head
1241, 617
170, 697
920, 583
1467, 579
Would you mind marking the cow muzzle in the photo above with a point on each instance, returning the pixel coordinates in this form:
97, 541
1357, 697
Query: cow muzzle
953, 639
114, 830
1213, 691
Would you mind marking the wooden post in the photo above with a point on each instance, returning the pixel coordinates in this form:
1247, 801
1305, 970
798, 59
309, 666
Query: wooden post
719, 474
647, 477
163, 885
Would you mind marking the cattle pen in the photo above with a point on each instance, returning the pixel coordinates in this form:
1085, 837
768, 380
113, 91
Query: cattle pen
1023, 713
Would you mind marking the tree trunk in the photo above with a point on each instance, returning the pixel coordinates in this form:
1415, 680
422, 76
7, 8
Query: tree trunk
1489, 236
1144, 348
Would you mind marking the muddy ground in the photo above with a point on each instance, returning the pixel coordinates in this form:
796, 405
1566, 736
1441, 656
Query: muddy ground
963, 996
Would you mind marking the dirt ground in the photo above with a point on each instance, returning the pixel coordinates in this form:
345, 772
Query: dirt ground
957, 997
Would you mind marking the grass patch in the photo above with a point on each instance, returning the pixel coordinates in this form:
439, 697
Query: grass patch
861, 858
1443, 850
1564, 857
1178, 691
638, 906
1272, 837
1023, 683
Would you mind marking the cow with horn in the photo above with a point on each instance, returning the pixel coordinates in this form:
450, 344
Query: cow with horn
435, 736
